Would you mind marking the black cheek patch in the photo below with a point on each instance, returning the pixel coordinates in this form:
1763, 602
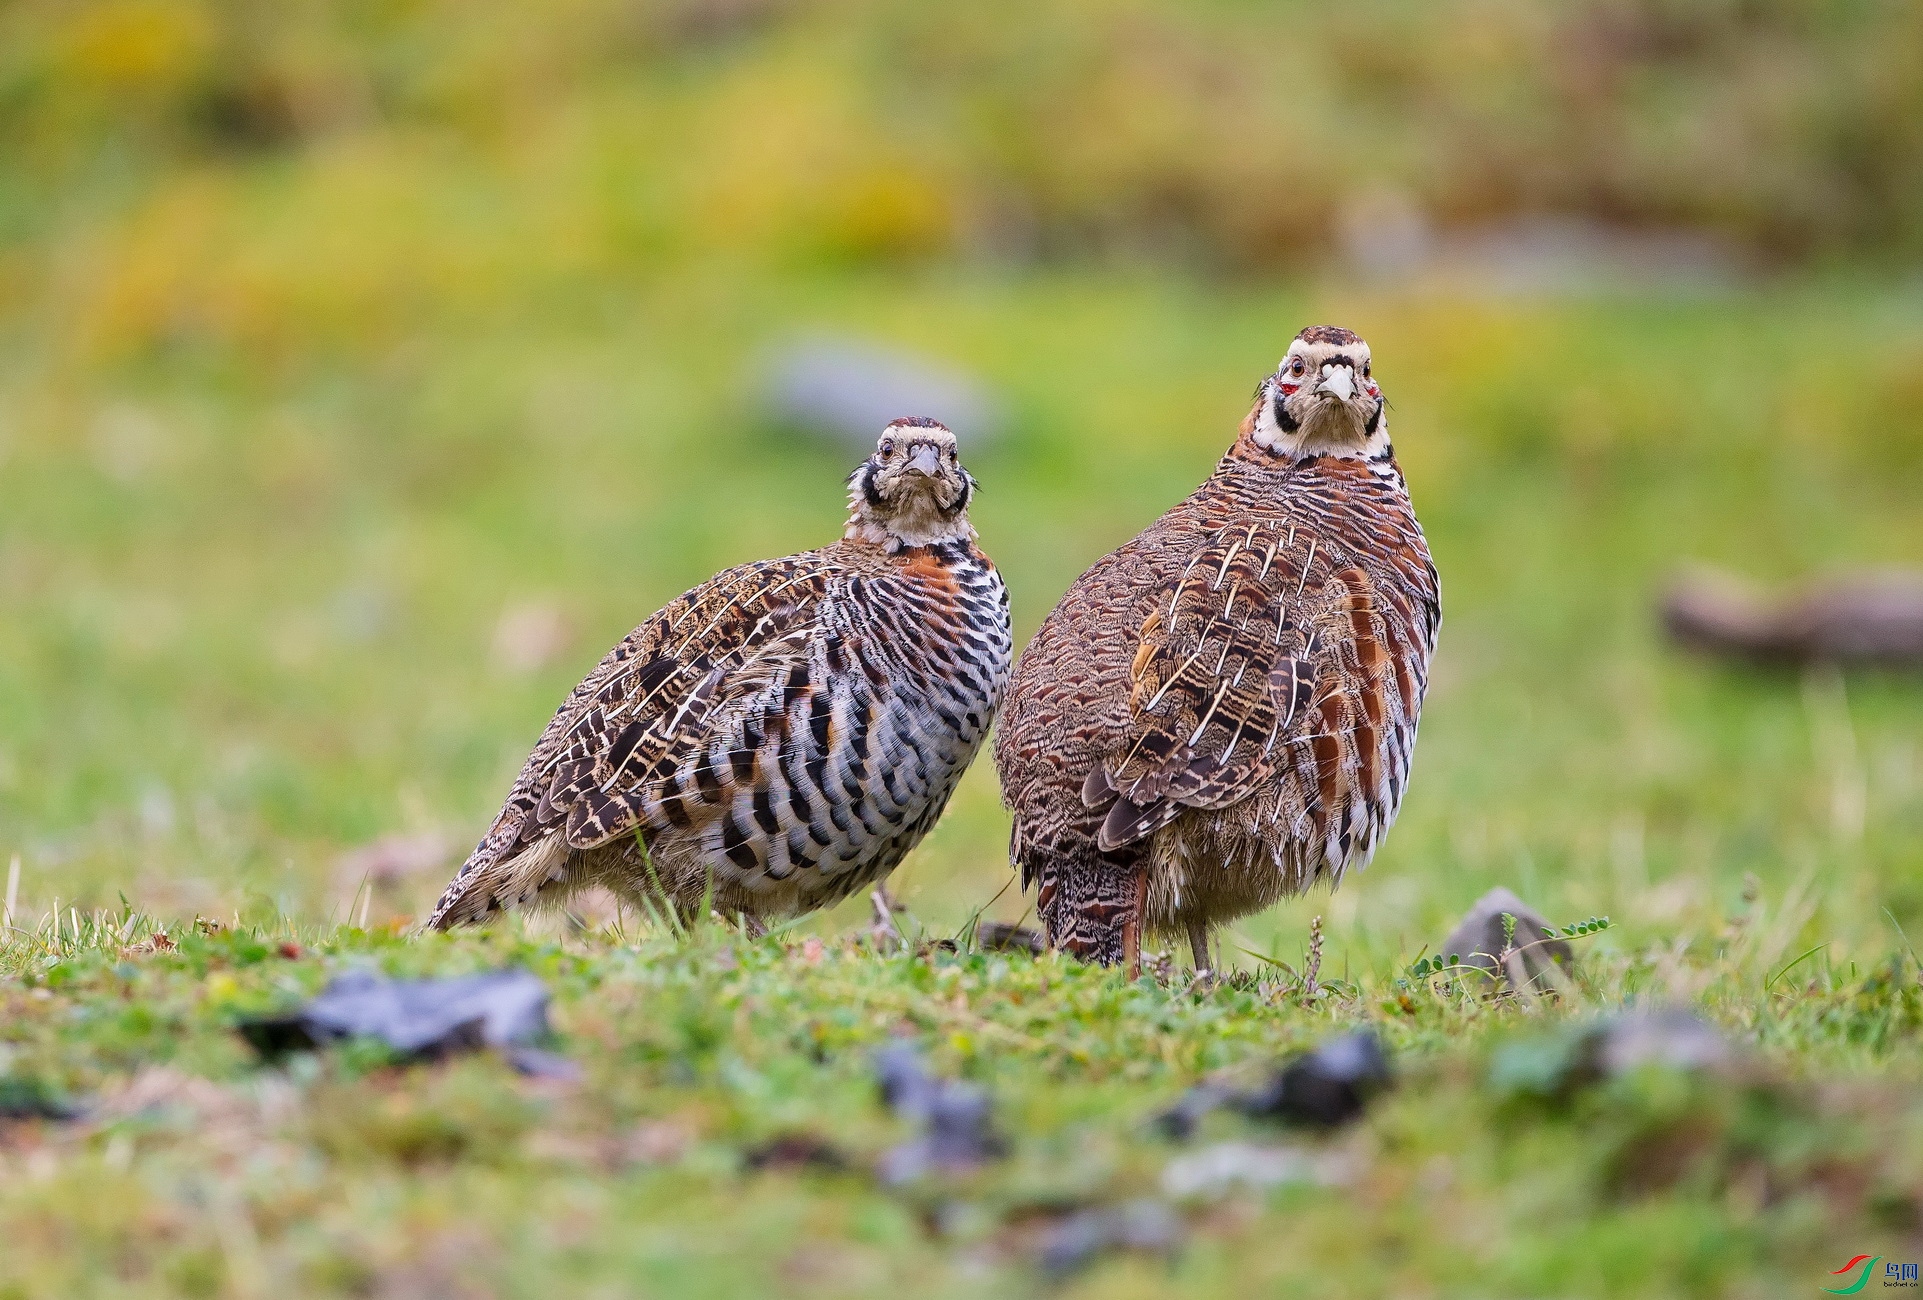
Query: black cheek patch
1284, 421
962, 498
1375, 417
868, 485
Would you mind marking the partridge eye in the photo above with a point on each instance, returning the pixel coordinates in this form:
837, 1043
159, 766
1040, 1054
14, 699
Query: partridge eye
1365, 370
1295, 366
887, 446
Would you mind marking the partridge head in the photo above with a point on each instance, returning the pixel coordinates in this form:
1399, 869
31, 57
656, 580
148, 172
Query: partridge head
1321, 400
913, 491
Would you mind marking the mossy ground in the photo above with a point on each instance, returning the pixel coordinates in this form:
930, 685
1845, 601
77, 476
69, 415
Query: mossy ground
198, 1171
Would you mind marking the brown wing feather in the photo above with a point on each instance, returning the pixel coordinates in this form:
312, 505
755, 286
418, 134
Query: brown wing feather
606, 765
1221, 673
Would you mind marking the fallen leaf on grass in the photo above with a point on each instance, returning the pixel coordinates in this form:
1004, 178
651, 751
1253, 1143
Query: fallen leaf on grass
1000, 936
657, 1142
795, 1151
158, 941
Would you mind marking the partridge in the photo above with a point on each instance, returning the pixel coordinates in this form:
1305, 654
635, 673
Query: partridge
1222, 712
783, 734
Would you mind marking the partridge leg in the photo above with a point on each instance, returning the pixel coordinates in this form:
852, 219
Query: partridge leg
1199, 945
1132, 927
886, 934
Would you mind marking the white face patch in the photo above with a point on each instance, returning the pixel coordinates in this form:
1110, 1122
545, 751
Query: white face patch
1267, 434
1326, 388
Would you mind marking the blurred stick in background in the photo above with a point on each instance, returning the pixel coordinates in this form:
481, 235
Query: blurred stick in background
1873, 617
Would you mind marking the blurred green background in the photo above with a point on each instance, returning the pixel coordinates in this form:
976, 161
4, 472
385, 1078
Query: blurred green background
367, 369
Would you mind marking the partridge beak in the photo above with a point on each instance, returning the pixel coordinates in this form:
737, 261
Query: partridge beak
1338, 380
925, 461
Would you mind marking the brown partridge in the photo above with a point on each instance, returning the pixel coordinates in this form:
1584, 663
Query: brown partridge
783, 734
1222, 712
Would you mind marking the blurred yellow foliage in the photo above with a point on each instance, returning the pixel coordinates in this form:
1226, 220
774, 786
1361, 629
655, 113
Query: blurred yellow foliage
136, 45
335, 174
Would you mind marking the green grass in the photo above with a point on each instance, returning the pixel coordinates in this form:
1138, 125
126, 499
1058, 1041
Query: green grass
250, 594
206, 1174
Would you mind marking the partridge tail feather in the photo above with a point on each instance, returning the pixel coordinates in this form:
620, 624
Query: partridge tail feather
1085, 906
486, 885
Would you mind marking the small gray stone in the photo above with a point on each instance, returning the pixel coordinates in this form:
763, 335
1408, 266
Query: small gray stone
956, 1120
850, 390
1556, 1065
1479, 941
1669, 1038
1325, 1088
1214, 1171
30, 1097
417, 1018
1146, 1226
